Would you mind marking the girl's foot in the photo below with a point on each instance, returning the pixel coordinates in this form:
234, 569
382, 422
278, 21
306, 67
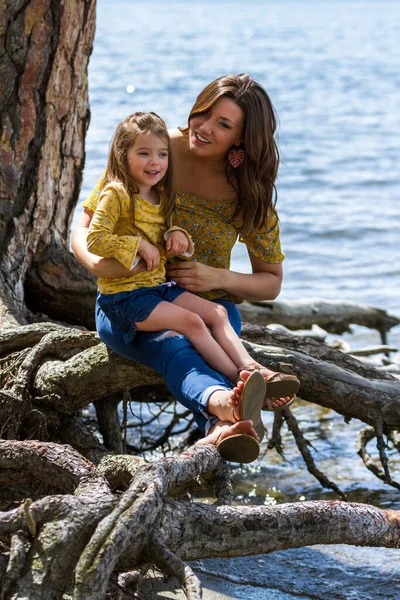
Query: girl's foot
277, 404
280, 392
279, 385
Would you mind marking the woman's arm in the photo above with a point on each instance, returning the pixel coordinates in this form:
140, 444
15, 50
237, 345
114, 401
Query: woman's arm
101, 267
263, 284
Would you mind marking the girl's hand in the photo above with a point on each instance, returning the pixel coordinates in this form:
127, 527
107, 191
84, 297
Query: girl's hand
195, 276
177, 244
150, 254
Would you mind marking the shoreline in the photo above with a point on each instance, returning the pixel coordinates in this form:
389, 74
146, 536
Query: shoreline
322, 572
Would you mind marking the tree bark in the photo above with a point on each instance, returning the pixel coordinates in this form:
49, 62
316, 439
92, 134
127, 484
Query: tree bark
334, 316
147, 525
54, 371
45, 48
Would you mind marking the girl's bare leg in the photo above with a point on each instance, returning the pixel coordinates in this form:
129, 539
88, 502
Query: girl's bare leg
224, 404
216, 318
170, 316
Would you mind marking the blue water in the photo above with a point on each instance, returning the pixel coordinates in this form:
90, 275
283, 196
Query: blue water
331, 69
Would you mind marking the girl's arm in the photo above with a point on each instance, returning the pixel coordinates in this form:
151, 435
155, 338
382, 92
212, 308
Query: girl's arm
102, 238
100, 267
263, 284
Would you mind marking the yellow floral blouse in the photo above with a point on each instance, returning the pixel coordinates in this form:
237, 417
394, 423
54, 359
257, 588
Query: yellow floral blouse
214, 232
112, 234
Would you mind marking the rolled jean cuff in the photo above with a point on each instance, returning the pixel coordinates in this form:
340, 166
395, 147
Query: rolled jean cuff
211, 419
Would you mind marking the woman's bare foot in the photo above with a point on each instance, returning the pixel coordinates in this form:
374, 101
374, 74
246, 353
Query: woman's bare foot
244, 403
233, 405
269, 403
223, 430
224, 404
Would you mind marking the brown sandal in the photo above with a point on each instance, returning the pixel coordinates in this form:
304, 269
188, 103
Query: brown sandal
279, 385
269, 406
240, 448
252, 401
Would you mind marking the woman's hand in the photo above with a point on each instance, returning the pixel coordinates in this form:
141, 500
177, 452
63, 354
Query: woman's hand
263, 284
194, 276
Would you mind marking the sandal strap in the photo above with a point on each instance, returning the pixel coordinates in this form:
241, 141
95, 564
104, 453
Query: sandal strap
250, 368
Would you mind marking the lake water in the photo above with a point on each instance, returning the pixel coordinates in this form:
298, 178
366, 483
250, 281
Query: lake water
332, 71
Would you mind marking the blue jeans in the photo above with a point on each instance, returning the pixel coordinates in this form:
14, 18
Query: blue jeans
186, 373
127, 308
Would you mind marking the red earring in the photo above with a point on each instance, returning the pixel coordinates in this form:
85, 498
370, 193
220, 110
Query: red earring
236, 157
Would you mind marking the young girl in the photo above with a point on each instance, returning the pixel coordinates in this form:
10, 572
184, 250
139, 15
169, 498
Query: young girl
132, 220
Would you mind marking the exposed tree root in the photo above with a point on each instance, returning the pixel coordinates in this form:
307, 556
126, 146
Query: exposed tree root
263, 335
43, 391
26, 336
381, 472
148, 526
102, 516
275, 441
168, 562
303, 446
109, 422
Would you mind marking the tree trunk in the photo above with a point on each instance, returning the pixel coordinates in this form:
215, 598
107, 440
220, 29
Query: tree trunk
45, 50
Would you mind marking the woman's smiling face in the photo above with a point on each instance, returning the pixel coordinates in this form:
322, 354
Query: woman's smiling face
214, 132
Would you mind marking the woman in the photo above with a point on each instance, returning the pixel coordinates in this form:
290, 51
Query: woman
226, 162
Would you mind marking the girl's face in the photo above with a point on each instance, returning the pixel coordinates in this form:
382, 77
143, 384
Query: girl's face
213, 133
148, 159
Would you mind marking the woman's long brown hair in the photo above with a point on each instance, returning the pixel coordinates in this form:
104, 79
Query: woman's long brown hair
254, 180
124, 138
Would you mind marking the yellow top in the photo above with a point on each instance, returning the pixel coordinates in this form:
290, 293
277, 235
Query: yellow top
112, 234
214, 232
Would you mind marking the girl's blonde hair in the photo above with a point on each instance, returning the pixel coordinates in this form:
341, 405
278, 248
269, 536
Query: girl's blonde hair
254, 180
124, 138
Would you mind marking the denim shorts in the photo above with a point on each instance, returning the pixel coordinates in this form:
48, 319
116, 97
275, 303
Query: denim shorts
124, 309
